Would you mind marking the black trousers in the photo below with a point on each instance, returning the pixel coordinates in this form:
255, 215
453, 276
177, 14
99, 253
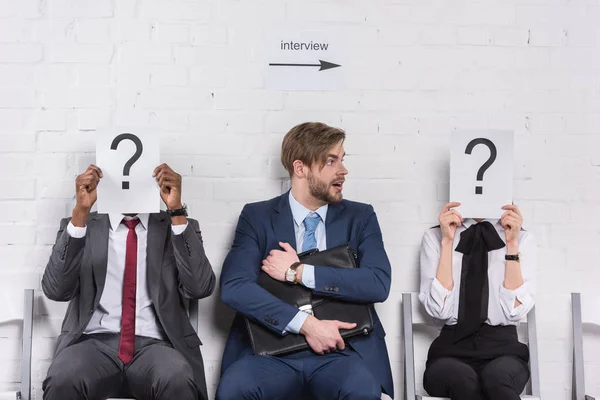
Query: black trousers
91, 369
490, 365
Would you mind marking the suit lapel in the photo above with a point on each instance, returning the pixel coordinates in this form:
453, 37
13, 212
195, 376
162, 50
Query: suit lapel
335, 226
157, 235
283, 221
98, 235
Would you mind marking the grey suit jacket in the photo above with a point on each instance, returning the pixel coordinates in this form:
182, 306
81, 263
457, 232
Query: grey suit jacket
177, 269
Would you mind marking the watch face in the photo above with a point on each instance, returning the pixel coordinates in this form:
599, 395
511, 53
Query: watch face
290, 275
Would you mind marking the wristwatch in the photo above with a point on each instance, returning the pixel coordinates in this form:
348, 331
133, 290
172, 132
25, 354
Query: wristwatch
511, 257
178, 212
290, 274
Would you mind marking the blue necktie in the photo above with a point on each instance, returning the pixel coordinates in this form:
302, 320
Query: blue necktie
310, 223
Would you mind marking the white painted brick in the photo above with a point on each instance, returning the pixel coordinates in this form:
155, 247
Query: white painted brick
54, 30
20, 53
325, 12
262, 12
15, 31
511, 37
248, 100
19, 165
212, 77
208, 123
586, 124
15, 211
76, 97
16, 75
132, 30
176, 97
251, 77
19, 189
17, 143
398, 35
214, 56
20, 9
93, 75
176, 10
583, 36
440, 36
548, 37
84, 8
168, 76
171, 33
566, 15
169, 119
17, 98
91, 119
48, 120
16, 234
144, 54
50, 142
245, 122
80, 53
475, 36
208, 35
92, 31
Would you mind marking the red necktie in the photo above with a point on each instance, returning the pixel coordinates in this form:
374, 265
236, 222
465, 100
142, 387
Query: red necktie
127, 342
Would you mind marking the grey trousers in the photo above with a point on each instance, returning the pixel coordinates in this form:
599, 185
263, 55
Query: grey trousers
91, 369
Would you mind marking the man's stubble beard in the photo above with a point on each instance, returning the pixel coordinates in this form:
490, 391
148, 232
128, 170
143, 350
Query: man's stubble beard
320, 190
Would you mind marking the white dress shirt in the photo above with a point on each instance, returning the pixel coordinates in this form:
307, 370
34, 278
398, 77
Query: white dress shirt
107, 317
443, 304
299, 212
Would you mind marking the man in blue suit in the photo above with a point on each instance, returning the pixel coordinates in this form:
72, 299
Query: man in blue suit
268, 236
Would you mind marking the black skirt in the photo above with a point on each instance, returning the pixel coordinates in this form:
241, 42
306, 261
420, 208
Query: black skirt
488, 343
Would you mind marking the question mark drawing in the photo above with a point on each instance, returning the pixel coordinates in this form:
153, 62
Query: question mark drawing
138, 152
488, 163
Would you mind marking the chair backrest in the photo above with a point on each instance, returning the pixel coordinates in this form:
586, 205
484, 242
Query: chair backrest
16, 308
415, 317
585, 312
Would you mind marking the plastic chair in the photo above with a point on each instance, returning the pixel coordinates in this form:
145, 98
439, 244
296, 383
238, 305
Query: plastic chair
579, 318
414, 314
10, 312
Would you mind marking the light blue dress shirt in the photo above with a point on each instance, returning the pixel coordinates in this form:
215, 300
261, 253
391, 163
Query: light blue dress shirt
299, 212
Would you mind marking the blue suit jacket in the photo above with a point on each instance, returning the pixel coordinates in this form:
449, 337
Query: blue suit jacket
260, 227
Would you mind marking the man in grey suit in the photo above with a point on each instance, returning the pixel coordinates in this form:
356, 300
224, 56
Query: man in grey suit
126, 277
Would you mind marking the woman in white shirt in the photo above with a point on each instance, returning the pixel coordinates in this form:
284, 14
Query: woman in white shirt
477, 277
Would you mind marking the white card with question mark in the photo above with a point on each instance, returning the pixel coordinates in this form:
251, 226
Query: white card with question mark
127, 158
481, 171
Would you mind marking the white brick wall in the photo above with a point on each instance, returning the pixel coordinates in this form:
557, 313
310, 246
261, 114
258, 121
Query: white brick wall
418, 70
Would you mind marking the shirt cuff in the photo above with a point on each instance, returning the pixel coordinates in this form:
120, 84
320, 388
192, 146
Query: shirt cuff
76, 232
296, 323
509, 296
178, 229
439, 293
308, 276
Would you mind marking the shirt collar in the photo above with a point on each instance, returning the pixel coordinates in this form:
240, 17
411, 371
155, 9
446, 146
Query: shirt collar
299, 212
115, 220
495, 222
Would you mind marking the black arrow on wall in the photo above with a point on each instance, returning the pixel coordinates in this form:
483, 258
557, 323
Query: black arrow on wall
323, 65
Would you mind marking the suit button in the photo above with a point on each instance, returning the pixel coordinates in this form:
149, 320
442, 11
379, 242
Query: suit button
91, 311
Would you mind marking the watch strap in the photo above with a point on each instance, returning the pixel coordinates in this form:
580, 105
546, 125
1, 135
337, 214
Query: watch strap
179, 211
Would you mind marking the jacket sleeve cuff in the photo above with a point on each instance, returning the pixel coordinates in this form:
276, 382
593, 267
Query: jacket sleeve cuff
296, 323
76, 232
178, 229
308, 276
